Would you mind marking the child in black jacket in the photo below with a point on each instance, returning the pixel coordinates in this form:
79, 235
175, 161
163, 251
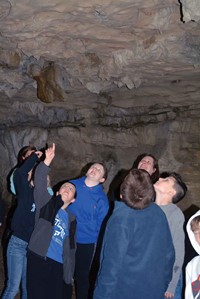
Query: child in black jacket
51, 254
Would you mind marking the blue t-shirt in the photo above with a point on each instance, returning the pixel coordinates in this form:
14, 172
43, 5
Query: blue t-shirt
55, 250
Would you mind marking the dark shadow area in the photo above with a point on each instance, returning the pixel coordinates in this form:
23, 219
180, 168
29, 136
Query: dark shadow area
114, 188
181, 11
96, 260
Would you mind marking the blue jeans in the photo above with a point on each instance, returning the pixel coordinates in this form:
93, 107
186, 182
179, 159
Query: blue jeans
178, 291
16, 265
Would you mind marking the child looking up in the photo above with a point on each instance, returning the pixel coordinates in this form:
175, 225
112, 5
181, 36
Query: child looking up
90, 209
192, 289
50, 256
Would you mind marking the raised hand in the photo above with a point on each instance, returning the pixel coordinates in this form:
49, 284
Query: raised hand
39, 154
49, 154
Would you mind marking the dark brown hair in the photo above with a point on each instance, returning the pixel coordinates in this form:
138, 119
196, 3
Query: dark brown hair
179, 186
22, 153
137, 189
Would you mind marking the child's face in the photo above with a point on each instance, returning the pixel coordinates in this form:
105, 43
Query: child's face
96, 173
147, 164
165, 185
67, 191
197, 235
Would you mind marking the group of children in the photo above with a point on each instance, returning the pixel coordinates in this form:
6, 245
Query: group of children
50, 239
54, 236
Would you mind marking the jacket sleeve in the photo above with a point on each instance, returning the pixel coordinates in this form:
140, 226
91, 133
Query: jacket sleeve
27, 165
178, 238
112, 255
20, 175
41, 194
169, 257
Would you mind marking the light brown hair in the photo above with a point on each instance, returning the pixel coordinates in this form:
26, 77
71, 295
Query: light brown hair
137, 189
195, 223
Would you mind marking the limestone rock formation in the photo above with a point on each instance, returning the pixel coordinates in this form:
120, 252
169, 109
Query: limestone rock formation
105, 80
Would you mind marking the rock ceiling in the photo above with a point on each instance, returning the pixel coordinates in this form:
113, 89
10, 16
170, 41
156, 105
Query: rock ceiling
61, 51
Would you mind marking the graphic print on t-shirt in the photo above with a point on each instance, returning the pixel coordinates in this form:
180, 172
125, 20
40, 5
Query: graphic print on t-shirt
196, 288
60, 232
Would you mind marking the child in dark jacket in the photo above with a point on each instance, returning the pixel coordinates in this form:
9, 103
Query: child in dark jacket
50, 255
22, 226
137, 255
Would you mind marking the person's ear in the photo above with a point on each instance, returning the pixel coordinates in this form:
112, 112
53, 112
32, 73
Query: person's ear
172, 192
73, 200
102, 180
120, 196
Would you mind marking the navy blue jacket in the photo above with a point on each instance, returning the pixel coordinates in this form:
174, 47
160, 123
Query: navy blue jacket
137, 255
23, 220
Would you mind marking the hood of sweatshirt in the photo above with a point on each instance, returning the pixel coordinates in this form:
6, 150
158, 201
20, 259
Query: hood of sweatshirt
193, 241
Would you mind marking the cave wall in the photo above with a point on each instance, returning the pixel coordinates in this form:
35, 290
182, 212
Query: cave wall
112, 135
